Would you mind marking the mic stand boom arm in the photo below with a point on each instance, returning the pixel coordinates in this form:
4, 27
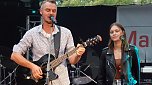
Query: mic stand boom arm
88, 76
73, 66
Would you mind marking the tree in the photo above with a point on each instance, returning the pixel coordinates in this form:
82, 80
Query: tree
67, 3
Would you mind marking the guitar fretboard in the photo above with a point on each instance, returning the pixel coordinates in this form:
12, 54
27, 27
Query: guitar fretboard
59, 60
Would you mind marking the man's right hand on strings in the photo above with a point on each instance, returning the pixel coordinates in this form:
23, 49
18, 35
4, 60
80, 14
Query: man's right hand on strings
36, 72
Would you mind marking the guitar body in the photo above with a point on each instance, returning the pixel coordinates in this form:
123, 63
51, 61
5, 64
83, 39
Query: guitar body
25, 73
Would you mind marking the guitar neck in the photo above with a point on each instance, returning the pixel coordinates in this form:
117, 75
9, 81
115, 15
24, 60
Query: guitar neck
59, 60
88, 42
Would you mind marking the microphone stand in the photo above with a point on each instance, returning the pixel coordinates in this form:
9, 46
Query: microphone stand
0, 68
122, 54
10, 77
48, 61
84, 73
88, 76
145, 57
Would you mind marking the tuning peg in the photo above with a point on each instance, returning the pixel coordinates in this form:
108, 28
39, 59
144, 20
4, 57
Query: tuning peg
81, 40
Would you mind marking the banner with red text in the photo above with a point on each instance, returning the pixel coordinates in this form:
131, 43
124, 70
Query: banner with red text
137, 21
142, 38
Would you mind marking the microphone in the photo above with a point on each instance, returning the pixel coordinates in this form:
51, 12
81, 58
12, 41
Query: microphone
53, 20
122, 38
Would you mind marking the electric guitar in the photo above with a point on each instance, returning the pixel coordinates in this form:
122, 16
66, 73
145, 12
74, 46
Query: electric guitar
25, 73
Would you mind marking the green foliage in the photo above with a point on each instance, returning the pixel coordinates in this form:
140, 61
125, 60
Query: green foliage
67, 3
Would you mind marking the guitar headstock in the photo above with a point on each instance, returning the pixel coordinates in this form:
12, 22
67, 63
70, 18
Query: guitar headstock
92, 41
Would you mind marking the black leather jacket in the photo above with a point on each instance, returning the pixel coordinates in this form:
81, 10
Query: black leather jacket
131, 66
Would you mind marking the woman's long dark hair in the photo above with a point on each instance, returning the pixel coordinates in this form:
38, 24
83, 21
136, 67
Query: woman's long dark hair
125, 42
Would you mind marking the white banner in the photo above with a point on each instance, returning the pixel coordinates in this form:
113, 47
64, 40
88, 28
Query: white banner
137, 21
142, 38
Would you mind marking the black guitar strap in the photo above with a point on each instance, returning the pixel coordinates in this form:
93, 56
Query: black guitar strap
57, 42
